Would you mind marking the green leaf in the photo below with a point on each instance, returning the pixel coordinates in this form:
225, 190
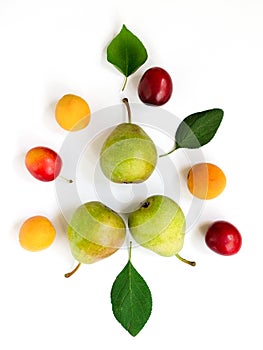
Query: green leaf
197, 129
126, 52
131, 299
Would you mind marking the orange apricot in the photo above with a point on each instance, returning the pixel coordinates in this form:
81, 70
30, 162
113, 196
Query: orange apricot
72, 112
36, 233
206, 180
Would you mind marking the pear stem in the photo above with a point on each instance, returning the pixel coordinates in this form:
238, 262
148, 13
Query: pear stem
67, 275
192, 263
126, 102
130, 250
65, 179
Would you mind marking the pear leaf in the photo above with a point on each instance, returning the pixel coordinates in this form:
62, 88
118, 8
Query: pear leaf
126, 52
131, 299
197, 129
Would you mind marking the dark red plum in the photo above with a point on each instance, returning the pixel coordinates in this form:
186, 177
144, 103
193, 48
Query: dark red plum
223, 238
155, 87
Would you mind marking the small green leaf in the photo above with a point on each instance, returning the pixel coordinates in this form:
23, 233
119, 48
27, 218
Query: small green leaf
131, 299
126, 52
197, 129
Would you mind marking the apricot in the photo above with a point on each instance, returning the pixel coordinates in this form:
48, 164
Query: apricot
72, 112
36, 233
206, 180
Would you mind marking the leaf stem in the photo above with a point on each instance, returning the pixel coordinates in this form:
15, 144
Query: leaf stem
124, 84
126, 102
166, 154
192, 263
67, 275
130, 250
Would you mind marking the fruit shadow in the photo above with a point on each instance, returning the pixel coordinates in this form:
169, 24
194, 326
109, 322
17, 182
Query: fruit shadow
61, 242
48, 114
49, 118
183, 173
198, 236
203, 227
50, 110
134, 82
18, 164
15, 229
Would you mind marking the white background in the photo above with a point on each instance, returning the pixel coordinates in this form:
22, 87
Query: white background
213, 51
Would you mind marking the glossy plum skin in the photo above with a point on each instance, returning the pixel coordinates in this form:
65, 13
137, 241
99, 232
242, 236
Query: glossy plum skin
155, 87
43, 163
223, 238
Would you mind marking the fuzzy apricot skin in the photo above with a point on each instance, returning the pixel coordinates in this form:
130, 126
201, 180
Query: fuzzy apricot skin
206, 181
72, 112
36, 233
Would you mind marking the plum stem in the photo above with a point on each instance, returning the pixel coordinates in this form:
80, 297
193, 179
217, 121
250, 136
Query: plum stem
124, 84
65, 179
67, 275
192, 263
126, 102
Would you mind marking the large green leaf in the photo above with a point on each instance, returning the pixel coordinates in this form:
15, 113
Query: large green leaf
126, 52
197, 129
131, 299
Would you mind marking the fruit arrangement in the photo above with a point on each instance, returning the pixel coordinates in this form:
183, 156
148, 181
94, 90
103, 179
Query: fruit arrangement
129, 156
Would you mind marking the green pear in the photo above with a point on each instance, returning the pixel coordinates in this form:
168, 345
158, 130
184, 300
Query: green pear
128, 155
159, 225
94, 233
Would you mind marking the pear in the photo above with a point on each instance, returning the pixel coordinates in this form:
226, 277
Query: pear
159, 225
94, 233
128, 155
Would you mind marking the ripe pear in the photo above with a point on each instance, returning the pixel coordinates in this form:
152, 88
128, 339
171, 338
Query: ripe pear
128, 155
95, 232
159, 225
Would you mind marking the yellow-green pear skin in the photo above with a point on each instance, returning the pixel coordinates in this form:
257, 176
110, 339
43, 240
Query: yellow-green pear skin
128, 155
95, 232
158, 225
